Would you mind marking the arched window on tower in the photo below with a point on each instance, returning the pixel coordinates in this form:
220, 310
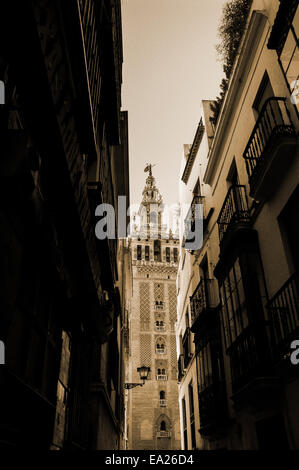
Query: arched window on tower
162, 426
160, 348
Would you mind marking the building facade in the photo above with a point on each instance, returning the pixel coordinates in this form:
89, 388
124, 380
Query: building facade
153, 417
240, 291
64, 150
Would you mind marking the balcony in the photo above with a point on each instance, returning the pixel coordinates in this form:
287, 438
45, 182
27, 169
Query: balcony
163, 434
234, 214
270, 148
161, 377
203, 302
162, 402
160, 350
159, 306
212, 409
283, 311
160, 327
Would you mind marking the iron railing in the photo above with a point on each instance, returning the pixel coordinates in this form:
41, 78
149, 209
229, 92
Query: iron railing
249, 355
234, 210
160, 350
161, 377
201, 298
163, 434
274, 120
160, 327
283, 311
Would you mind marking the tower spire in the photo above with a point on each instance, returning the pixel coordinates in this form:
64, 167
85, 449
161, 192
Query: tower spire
150, 210
150, 194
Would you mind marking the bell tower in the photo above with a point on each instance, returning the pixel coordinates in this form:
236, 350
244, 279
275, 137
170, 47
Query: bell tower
153, 413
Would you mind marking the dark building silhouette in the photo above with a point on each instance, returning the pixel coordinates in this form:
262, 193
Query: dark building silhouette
63, 151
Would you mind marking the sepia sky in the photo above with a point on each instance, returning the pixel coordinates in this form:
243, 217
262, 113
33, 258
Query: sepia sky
170, 65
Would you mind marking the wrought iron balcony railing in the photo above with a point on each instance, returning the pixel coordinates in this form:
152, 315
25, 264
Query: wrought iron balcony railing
234, 210
161, 377
160, 327
249, 355
273, 127
283, 311
202, 299
160, 350
163, 434
159, 306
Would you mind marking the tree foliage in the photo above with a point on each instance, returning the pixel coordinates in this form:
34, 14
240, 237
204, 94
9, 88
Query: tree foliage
231, 28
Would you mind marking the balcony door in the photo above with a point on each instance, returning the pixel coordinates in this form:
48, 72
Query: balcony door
265, 91
289, 225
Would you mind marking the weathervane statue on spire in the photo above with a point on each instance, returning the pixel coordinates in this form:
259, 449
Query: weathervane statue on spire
148, 168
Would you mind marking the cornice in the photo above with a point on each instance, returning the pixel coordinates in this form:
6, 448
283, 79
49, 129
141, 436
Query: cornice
193, 151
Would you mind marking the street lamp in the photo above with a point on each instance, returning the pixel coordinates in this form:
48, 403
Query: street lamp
143, 372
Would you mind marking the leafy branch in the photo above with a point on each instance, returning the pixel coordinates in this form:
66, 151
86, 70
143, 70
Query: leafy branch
231, 29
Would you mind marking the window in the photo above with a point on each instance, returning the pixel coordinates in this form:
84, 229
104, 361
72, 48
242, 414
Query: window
175, 255
139, 252
232, 177
185, 424
289, 56
160, 325
161, 374
187, 319
157, 250
196, 189
204, 364
162, 426
153, 217
162, 398
146, 253
265, 91
160, 348
288, 222
167, 250
186, 347
192, 419
158, 304
234, 312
